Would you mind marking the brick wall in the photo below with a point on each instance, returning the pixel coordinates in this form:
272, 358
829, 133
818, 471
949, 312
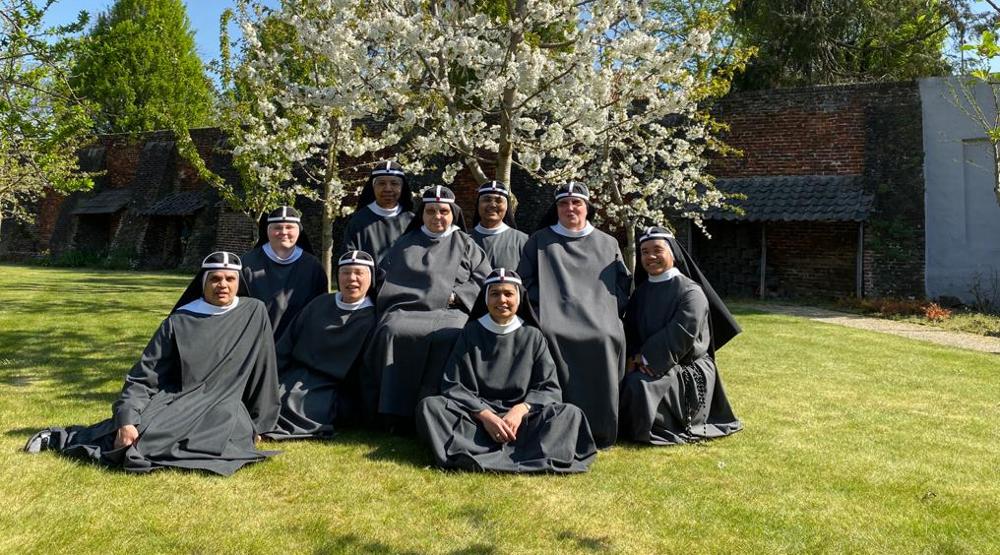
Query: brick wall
811, 259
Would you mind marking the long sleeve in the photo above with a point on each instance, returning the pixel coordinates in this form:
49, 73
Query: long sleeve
261, 396
632, 341
670, 345
544, 388
320, 282
459, 380
284, 347
477, 267
153, 370
527, 268
623, 283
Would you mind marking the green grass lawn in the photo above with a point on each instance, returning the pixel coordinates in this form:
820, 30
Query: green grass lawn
854, 442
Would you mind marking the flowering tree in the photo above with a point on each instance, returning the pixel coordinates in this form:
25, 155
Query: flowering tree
593, 90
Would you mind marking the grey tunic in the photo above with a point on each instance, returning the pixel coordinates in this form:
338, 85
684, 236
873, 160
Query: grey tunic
203, 387
284, 288
374, 234
491, 371
668, 323
417, 330
319, 359
503, 249
579, 287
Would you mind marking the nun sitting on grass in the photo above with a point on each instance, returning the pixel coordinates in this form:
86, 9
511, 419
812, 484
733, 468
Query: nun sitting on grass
675, 321
501, 407
281, 270
205, 387
320, 355
433, 274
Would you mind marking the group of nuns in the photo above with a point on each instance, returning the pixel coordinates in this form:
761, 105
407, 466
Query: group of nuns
502, 351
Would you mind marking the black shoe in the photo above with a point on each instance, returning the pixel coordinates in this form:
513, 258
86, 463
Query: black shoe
38, 442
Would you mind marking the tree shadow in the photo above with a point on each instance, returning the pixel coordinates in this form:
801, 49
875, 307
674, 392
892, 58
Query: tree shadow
385, 447
596, 544
351, 543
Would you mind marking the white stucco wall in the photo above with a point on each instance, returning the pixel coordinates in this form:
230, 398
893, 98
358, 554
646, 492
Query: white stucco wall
961, 213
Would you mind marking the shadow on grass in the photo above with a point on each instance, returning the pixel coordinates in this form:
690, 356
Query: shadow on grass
386, 447
597, 544
352, 543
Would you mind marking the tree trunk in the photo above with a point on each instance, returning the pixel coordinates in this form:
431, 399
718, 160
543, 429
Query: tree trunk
326, 245
629, 251
505, 152
996, 170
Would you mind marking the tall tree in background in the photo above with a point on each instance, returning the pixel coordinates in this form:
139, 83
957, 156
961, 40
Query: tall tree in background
139, 64
42, 122
809, 42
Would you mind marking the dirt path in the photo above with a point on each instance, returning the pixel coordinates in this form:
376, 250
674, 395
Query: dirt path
940, 336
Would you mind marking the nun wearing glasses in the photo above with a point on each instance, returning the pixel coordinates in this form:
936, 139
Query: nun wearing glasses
281, 270
675, 322
433, 274
501, 408
203, 391
579, 285
320, 355
494, 227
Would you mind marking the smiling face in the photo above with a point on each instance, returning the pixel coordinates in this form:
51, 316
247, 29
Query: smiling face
353, 282
656, 256
572, 213
387, 189
221, 287
437, 216
502, 300
282, 235
492, 209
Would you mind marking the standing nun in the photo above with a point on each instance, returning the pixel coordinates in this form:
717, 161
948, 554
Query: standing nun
281, 270
320, 355
205, 387
501, 407
579, 286
433, 275
673, 392
385, 209
495, 230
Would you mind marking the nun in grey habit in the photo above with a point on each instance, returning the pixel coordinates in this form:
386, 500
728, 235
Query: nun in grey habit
433, 275
578, 285
501, 407
494, 228
204, 388
281, 270
673, 392
384, 210
320, 355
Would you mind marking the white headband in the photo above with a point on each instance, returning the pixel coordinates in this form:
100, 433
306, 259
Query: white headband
284, 217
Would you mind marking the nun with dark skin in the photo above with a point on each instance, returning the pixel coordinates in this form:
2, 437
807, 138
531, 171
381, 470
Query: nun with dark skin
203, 391
385, 209
281, 270
495, 229
501, 408
578, 285
320, 355
673, 392
433, 274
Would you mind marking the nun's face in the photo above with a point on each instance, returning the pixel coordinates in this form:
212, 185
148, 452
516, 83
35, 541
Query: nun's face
438, 216
353, 282
221, 287
282, 235
572, 213
502, 300
388, 189
492, 209
656, 256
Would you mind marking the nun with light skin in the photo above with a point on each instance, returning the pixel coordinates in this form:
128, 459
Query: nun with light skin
320, 357
179, 407
500, 408
433, 274
578, 284
495, 229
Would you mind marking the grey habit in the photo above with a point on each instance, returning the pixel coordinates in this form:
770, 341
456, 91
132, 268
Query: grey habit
369, 232
579, 287
205, 385
668, 324
417, 330
489, 370
503, 248
319, 359
285, 289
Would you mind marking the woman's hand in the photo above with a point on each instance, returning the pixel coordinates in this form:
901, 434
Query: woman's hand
498, 429
127, 435
514, 417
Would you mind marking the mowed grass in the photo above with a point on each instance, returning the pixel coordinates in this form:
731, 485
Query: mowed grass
854, 442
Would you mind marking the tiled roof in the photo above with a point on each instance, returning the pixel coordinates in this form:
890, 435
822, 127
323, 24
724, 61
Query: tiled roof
177, 204
831, 198
105, 202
